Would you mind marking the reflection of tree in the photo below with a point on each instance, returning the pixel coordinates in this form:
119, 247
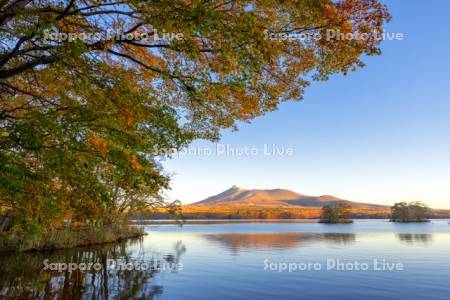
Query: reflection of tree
242, 241
340, 238
174, 259
22, 275
409, 238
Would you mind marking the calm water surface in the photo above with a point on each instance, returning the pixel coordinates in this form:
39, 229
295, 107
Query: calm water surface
247, 261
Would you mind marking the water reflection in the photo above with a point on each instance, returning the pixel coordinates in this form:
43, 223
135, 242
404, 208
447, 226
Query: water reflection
419, 239
23, 276
180, 249
340, 238
227, 262
237, 242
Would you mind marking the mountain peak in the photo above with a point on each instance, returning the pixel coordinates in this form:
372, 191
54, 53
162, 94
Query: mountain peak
275, 197
236, 188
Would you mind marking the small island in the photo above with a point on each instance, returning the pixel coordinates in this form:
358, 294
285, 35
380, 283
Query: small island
336, 213
413, 212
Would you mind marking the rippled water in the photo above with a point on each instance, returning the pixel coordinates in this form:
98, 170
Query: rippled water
248, 261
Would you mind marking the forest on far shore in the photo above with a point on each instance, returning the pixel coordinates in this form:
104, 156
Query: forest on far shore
266, 212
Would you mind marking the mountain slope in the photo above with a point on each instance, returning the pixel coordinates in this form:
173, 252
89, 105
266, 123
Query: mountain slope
277, 197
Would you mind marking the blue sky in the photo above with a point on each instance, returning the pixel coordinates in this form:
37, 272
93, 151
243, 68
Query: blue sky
381, 134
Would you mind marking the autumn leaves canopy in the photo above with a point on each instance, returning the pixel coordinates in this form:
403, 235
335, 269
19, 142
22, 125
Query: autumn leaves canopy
79, 118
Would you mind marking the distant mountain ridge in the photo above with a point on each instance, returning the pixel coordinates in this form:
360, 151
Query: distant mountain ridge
278, 197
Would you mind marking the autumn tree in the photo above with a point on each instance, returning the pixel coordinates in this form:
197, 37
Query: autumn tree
338, 212
409, 212
91, 92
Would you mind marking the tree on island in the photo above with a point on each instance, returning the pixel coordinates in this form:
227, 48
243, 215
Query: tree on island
409, 212
93, 94
336, 213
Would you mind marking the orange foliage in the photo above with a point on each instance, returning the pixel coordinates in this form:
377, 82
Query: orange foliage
263, 212
134, 163
98, 143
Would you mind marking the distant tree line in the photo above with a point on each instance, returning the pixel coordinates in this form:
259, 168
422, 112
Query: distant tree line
251, 212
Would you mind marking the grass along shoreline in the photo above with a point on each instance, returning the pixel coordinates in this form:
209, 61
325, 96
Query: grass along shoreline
68, 238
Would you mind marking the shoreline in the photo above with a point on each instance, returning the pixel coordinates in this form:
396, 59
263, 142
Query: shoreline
68, 238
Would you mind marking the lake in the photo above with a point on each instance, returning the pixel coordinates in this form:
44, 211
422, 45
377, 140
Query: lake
370, 259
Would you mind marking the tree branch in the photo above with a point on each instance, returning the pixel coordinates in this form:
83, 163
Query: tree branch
43, 60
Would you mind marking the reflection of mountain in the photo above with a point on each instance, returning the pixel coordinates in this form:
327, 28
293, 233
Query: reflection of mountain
415, 238
278, 197
242, 241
